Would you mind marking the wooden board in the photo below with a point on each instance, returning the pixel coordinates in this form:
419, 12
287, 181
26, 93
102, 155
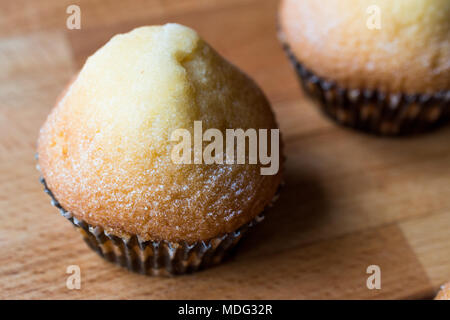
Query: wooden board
351, 200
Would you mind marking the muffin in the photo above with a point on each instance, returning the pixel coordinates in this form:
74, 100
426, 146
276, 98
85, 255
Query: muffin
380, 66
105, 152
444, 293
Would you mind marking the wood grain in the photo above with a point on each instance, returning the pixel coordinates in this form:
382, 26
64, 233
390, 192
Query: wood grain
351, 200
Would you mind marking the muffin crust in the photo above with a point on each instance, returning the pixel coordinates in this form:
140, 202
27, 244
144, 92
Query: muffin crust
409, 54
104, 150
444, 293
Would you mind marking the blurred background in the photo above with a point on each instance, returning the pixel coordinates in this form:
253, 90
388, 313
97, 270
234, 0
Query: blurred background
351, 200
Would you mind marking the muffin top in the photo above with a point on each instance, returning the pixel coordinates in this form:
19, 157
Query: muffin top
410, 53
444, 293
105, 149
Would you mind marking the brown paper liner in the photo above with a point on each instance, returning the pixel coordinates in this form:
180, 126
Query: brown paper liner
158, 258
374, 111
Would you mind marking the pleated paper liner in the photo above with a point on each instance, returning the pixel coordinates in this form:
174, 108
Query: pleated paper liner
162, 258
373, 111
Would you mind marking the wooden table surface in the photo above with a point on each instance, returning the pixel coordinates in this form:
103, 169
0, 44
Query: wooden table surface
351, 200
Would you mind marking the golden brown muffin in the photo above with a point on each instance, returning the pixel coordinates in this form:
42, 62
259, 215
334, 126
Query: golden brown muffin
444, 293
105, 149
408, 55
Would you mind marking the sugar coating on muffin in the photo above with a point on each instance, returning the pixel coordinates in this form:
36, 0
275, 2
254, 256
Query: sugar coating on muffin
104, 150
410, 53
444, 293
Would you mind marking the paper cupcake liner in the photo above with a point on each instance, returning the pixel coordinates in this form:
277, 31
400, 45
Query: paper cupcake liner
374, 111
162, 258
